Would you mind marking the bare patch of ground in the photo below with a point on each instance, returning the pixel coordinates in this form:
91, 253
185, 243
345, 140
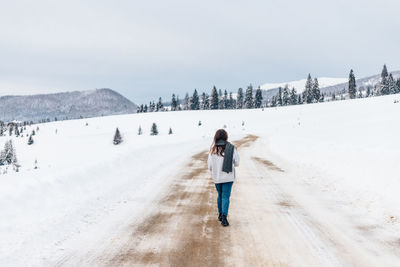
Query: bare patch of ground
246, 141
268, 164
285, 203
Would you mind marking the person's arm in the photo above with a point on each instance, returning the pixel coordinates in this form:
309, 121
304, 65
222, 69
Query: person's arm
236, 158
209, 162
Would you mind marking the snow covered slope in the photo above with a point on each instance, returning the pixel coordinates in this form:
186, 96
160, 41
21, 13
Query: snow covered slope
271, 89
71, 105
84, 184
300, 84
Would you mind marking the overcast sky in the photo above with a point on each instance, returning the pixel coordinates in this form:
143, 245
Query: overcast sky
146, 49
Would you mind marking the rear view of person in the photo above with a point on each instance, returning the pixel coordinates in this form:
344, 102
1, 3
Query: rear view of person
222, 160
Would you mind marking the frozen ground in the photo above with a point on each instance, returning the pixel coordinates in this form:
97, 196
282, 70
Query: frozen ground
338, 187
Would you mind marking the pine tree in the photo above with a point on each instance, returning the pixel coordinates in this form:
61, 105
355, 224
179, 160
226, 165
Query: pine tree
178, 103
186, 102
117, 137
226, 101
368, 91
8, 155
214, 99
316, 93
258, 98
203, 101
194, 101
285, 95
279, 97
151, 106
299, 99
207, 102
384, 73
391, 84
352, 85
30, 140
333, 96
322, 98
248, 101
170, 130
154, 130
398, 85
239, 99
174, 104
384, 85
232, 103
293, 97
140, 132
273, 101
160, 105
308, 97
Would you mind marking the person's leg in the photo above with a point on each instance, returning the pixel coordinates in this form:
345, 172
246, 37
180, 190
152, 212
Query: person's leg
219, 200
226, 193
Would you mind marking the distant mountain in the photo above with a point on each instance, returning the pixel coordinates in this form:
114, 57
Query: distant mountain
362, 82
71, 105
271, 89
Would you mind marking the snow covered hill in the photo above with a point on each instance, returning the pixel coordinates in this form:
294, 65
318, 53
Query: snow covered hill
84, 185
271, 89
300, 84
71, 105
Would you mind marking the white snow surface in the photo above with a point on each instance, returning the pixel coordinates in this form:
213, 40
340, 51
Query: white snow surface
85, 185
300, 84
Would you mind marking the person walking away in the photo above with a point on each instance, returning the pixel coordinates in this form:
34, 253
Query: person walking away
222, 160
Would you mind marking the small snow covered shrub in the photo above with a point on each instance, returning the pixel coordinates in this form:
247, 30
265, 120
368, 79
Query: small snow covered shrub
30, 140
154, 130
117, 137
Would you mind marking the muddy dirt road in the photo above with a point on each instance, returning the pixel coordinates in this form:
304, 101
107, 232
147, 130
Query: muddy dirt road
275, 221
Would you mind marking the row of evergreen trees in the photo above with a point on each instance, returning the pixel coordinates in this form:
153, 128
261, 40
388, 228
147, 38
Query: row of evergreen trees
312, 93
386, 86
216, 100
285, 96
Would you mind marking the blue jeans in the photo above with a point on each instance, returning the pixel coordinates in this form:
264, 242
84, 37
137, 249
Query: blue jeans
224, 192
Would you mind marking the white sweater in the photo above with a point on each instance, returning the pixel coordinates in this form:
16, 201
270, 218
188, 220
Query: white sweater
215, 163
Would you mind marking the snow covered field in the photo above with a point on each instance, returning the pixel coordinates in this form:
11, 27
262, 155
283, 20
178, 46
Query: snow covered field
85, 186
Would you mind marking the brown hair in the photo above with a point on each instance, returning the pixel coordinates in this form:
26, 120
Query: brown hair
221, 134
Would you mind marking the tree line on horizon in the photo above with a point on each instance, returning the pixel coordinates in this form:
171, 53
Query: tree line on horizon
285, 96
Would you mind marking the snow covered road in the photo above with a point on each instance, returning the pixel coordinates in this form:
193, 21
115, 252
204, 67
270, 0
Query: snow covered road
276, 219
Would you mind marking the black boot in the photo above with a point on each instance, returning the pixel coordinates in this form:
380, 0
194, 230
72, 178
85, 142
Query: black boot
220, 217
224, 221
